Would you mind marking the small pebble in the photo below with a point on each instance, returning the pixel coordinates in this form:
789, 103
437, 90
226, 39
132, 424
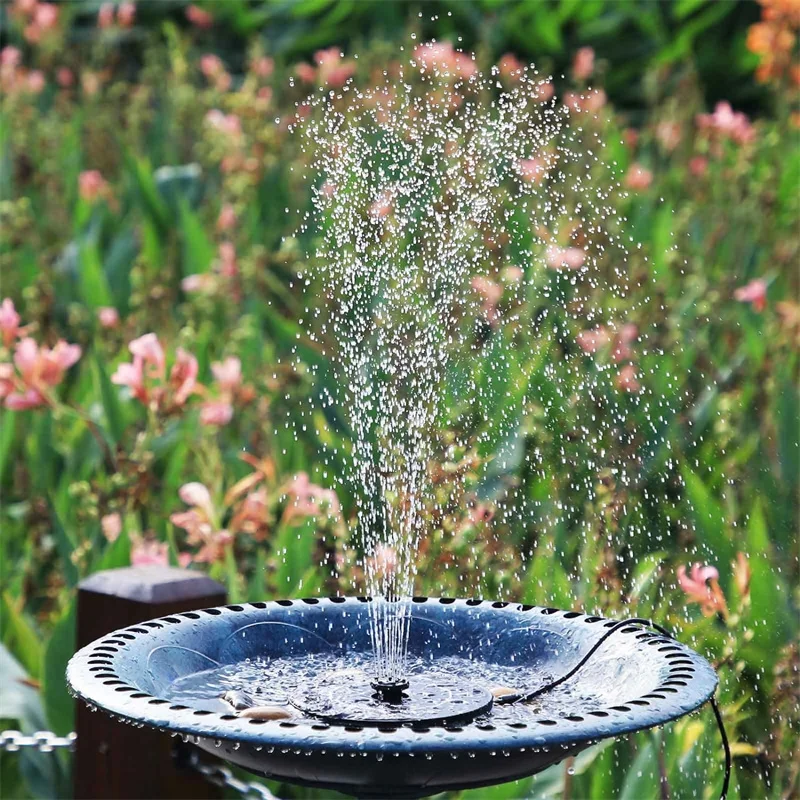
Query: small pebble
502, 691
266, 712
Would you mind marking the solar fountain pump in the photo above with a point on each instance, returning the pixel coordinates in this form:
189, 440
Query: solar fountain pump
494, 691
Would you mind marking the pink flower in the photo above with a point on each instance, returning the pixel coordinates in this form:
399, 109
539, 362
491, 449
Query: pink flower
198, 17
668, 134
593, 340
9, 321
382, 205
727, 123
441, 58
251, 516
583, 64
628, 334
64, 77
21, 401
111, 525
149, 350
35, 81
480, 514
383, 562
91, 185
145, 553
308, 499
202, 282
211, 65
227, 218
262, 66
216, 412
754, 293
306, 73
638, 178
627, 380
197, 495
532, 170
132, 376
42, 368
565, 257
6, 380
229, 124
228, 373
183, 376
333, 70
227, 260
108, 316
698, 166
510, 67
10, 57
126, 14
701, 586
105, 16
490, 293
46, 16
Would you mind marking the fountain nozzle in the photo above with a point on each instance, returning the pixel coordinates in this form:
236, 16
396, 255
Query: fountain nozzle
390, 691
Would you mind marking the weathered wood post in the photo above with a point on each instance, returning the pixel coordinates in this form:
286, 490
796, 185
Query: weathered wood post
114, 760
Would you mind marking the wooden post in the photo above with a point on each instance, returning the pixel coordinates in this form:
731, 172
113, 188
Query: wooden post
113, 760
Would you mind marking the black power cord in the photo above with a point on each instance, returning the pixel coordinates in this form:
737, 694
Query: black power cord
517, 698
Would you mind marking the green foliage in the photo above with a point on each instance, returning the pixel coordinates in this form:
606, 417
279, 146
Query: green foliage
710, 446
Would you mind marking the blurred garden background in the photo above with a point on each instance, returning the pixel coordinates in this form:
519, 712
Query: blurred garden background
151, 321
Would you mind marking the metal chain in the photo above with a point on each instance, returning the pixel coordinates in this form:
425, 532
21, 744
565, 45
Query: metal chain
47, 742
222, 776
43, 741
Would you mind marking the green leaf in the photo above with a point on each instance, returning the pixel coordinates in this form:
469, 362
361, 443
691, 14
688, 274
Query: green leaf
19, 636
710, 525
8, 429
65, 546
198, 251
58, 702
94, 287
642, 778
112, 408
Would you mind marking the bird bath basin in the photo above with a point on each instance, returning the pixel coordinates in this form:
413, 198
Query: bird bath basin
299, 673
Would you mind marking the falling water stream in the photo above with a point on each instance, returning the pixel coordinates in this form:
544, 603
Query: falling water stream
424, 190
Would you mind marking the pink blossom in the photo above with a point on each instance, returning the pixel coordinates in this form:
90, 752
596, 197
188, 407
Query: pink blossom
332, 69
227, 218
183, 376
111, 525
145, 553
754, 293
132, 376
228, 124
262, 66
216, 412
591, 341
583, 64
149, 350
126, 14
727, 123
228, 373
227, 260
202, 282
306, 73
46, 16
532, 170
251, 516
638, 178
10, 57
211, 65
669, 134
510, 67
35, 81
6, 380
308, 499
64, 77
480, 514
544, 91
627, 380
383, 562
105, 16
698, 166
198, 17
197, 495
108, 316
701, 586
21, 401
42, 367
9, 321
441, 58
490, 293
565, 257
91, 185
382, 205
